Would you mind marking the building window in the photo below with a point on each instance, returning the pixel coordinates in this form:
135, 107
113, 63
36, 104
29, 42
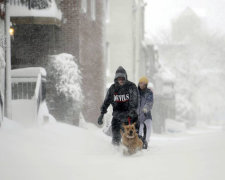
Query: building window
93, 9
84, 6
107, 11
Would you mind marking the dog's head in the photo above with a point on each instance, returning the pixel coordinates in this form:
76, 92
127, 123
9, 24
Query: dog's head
129, 130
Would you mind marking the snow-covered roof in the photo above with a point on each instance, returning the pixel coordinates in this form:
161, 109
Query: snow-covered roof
28, 72
22, 11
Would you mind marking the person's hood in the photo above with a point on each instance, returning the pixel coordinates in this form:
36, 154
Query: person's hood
120, 72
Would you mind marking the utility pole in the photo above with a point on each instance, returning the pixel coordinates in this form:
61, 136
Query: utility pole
8, 90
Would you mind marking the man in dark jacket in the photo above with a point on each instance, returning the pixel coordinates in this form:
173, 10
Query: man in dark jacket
145, 103
123, 96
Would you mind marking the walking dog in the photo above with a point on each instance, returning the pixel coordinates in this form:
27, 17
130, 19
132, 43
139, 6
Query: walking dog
130, 138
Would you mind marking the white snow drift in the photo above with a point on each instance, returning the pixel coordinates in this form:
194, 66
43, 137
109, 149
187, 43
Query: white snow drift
59, 151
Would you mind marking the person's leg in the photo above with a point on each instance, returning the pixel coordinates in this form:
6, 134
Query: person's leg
116, 136
141, 129
148, 123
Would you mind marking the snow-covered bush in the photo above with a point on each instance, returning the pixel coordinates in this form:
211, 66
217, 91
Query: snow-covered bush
68, 76
64, 93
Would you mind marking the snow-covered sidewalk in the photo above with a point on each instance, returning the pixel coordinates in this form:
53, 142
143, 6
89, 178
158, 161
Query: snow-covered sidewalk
59, 151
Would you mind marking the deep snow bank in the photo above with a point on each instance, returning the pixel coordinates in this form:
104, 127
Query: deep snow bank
59, 151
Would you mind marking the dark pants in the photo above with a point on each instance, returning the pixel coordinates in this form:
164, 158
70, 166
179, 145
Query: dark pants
116, 126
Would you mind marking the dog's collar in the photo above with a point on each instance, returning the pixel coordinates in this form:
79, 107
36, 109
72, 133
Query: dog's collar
130, 137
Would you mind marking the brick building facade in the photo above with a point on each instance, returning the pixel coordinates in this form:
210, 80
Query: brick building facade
68, 34
80, 32
92, 57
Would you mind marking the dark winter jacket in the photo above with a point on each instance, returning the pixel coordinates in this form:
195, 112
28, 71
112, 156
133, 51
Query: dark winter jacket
124, 99
145, 100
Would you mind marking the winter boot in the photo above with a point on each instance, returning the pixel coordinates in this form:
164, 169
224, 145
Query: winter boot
145, 144
116, 141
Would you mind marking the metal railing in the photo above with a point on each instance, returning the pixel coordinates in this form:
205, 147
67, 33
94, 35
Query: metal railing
26, 3
29, 89
23, 90
38, 92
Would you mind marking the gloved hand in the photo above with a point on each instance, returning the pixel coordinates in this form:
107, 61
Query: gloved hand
145, 110
100, 119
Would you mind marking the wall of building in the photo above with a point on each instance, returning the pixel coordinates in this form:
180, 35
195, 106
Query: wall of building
119, 37
68, 35
92, 58
31, 45
139, 32
124, 35
81, 35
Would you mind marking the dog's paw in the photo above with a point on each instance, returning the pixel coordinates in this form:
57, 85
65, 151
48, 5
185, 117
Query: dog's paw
125, 152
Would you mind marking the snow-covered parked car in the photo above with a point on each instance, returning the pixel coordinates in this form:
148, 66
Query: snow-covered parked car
28, 93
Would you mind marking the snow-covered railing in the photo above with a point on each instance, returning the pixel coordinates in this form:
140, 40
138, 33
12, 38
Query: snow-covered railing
27, 93
37, 93
20, 3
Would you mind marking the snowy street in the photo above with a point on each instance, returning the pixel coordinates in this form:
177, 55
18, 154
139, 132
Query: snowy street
74, 72
59, 151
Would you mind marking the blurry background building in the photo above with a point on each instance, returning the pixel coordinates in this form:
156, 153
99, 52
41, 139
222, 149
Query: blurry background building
124, 38
162, 85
